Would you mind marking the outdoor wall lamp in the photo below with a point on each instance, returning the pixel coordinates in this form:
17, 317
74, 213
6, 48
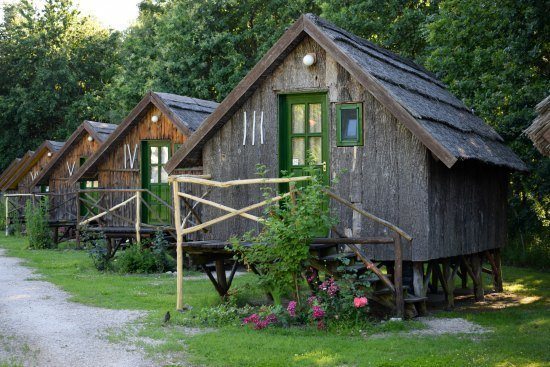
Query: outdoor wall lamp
309, 59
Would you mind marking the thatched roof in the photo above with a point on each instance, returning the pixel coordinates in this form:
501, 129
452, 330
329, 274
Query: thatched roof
185, 113
442, 122
539, 131
98, 130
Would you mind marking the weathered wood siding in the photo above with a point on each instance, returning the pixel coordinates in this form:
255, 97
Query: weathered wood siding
111, 171
387, 176
37, 167
63, 198
468, 207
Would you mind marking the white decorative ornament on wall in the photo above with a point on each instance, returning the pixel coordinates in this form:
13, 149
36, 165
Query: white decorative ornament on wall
245, 128
70, 168
129, 158
34, 175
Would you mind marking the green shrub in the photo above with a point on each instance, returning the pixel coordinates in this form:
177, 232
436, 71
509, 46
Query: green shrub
2, 213
97, 245
146, 257
38, 230
281, 250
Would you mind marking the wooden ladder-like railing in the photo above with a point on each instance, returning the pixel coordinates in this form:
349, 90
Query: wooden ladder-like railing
396, 286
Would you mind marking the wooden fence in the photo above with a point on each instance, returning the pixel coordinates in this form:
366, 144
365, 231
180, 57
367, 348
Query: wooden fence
205, 180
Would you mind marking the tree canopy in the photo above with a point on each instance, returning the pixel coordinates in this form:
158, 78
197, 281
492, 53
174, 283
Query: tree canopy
58, 67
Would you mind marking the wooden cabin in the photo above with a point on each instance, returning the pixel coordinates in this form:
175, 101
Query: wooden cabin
30, 167
131, 161
9, 171
385, 132
54, 178
539, 131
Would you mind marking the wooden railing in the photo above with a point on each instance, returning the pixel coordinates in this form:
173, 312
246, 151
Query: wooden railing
205, 180
96, 211
17, 207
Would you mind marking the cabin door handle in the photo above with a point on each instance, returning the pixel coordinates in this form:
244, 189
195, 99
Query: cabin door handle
324, 166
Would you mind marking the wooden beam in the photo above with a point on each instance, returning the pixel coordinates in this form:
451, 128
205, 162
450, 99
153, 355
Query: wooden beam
138, 216
398, 276
369, 215
250, 181
108, 211
231, 215
179, 243
219, 206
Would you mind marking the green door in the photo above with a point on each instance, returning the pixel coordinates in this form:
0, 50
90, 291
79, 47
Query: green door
304, 134
155, 154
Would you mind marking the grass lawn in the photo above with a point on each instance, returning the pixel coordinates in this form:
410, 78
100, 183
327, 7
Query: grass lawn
520, 328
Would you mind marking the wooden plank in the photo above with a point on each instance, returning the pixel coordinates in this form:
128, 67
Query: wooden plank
138, 216
179, 243
398, 276
219, 206
250, 181
107, 212
352, 240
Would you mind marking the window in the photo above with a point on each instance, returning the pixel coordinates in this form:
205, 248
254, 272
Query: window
349, 128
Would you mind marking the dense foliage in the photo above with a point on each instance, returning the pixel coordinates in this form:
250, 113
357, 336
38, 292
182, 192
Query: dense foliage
36, 224
57, 68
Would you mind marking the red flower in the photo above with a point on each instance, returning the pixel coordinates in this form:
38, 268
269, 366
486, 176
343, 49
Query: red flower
359, 302
318, 312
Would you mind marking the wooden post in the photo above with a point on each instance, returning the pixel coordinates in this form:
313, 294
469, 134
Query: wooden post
398, 276
77, 228
179, 243
477, 273
448, 284
138, 216
463, 275
435, 277
220, 275
418, 285
496, 272
7, 216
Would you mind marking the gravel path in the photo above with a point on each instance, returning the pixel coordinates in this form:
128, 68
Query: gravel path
40, 327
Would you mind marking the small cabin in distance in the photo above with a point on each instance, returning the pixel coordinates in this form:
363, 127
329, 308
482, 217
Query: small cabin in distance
383, 131
132, 160
54, 178
31, 166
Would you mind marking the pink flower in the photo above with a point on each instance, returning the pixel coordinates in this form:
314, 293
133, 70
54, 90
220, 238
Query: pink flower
318, 312
330, 287
359, 302
291, 308
252, 319
311, 300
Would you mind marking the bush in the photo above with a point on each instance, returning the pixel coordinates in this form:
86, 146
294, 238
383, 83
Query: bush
149, 257
97, 245
2, 213
38, 231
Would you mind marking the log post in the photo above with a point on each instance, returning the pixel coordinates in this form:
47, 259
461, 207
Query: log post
433, 285
179, 244
398, 276
138, 216
448, 284
496, 272
220, 275
418, 285
477, 273
463, 275
7, 216
77, 227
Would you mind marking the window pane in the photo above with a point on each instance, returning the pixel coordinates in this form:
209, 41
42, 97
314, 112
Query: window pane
315, 149
298, 118
164, 155
154, 155
88, 184
154, 174
298, 151
315, 118
95, 184
163, 175
350, 125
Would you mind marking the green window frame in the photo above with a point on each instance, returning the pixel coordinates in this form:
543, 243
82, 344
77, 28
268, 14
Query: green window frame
342, 141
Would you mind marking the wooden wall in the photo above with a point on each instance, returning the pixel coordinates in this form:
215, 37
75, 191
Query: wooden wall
111, 171
468, 207
38, 166
63, 197
387, 176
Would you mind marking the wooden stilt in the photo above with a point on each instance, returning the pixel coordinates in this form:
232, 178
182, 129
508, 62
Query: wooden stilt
418, 285
77, 228
476, 266
398, 276
463, 275
220, 274
435, 277
449, 285
7, 216
496, 271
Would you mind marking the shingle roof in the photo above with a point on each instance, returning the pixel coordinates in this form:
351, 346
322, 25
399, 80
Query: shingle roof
102, 129
414, 95
99, 130
191, 111
186, 113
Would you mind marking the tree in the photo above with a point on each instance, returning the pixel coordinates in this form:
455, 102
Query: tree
495, 56
53, 67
